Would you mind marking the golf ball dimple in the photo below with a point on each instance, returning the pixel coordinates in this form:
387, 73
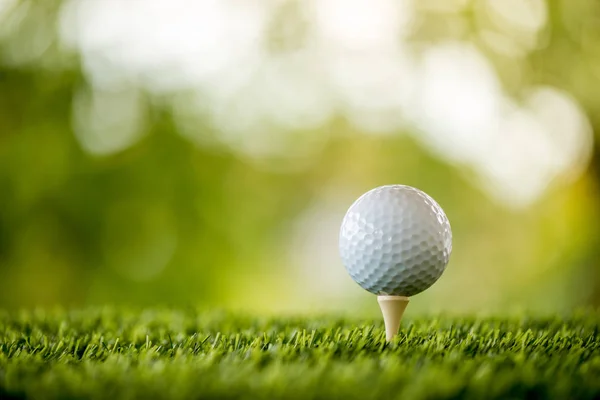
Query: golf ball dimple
395, 240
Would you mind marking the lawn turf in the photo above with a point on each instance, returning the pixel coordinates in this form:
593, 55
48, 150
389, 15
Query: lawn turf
190, 354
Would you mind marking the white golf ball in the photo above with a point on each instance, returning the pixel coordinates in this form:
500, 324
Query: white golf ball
395, 240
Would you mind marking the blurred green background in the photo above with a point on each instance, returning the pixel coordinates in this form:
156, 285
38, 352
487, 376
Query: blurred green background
204, 152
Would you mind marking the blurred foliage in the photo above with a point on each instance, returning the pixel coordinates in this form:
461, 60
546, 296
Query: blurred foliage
167, 220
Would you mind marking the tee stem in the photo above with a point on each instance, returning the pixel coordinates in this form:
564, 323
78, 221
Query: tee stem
392, 308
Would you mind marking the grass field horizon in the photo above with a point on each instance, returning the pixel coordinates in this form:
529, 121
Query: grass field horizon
176, 353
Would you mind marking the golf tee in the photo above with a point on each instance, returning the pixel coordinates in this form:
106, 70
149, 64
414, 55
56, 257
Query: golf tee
392, 308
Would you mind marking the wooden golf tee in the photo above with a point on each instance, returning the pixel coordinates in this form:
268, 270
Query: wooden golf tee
392, 308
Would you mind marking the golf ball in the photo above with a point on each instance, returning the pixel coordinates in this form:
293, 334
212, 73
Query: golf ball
395, 240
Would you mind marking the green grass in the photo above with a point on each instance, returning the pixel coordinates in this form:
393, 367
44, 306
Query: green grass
188, 354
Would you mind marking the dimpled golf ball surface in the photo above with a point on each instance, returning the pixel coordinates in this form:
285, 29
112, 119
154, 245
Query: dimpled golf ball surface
395, 240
